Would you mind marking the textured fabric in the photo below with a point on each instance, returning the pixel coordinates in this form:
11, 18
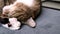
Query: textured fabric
47, 23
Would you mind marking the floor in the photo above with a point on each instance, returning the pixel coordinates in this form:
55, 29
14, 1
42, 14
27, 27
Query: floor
47, 23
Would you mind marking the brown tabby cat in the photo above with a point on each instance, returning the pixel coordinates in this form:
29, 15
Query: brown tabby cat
23, 10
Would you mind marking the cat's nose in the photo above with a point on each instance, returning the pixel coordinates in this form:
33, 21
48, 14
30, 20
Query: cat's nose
9, 25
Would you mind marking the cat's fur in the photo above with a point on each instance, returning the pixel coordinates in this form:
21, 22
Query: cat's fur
24, 12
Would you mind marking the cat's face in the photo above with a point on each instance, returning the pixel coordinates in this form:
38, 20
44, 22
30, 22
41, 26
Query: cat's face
10, 23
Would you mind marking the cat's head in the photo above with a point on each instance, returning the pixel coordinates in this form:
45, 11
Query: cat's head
10, 23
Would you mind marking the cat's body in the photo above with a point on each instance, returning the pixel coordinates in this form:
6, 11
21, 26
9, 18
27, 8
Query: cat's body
23, 10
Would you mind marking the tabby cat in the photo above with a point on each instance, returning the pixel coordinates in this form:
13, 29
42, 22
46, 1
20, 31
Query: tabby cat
23, 11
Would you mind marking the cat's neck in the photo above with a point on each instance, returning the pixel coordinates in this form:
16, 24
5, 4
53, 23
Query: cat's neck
26, 2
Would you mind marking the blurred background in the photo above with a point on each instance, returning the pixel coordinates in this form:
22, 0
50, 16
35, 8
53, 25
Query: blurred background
51, 3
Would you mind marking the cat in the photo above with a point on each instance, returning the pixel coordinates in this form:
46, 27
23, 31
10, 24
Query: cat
21, 11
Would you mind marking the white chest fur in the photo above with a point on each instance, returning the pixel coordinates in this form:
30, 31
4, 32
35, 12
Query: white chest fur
26, 2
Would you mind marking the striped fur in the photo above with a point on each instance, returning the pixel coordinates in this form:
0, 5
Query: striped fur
21, 11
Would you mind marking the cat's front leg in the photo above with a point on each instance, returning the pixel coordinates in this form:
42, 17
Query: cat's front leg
31, 22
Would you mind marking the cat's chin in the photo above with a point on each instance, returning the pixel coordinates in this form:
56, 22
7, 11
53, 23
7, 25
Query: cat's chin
11, 28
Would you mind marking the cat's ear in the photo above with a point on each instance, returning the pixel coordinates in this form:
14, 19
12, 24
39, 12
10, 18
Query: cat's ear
31, 22
5, 10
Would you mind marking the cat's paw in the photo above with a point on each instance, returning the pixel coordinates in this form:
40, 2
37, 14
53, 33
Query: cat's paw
31, 22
